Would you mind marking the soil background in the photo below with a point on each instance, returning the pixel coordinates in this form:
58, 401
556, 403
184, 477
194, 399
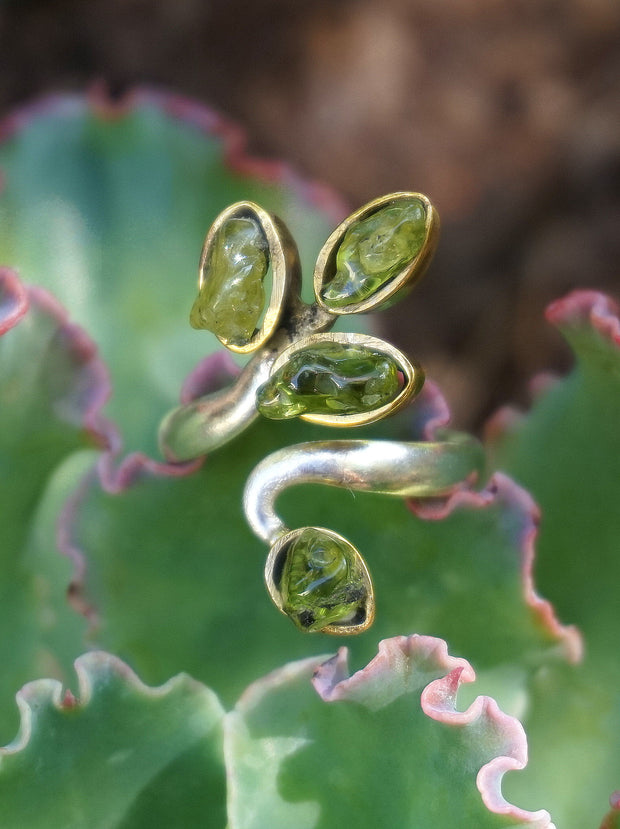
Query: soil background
507, 114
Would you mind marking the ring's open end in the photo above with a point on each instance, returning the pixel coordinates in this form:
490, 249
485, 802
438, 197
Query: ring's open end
321, 582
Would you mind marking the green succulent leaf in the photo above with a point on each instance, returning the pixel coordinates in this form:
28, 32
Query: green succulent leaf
119, 755
567, 452
384, 747
107, 206
51, 383
122, 754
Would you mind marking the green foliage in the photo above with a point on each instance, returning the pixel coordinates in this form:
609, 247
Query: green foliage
567, 452
107, 209
370, 756
121, 755
44, 369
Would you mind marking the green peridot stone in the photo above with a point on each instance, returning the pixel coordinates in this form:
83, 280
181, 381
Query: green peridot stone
232, 297
322, 581
330, 378
375, 250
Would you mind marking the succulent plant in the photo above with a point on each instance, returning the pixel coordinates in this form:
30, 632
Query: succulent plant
112, 559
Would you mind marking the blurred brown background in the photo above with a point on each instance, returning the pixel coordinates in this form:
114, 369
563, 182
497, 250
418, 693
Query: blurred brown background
507, 114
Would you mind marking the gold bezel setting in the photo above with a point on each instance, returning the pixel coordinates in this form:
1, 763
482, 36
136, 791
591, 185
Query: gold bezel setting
283, 260
413, 376
274, 566
403, 281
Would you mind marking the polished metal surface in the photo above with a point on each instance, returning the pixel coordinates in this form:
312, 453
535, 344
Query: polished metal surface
215, 419
422, 470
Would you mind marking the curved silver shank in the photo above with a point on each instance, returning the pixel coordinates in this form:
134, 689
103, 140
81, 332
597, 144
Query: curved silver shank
424, 469
203, 425
213, 420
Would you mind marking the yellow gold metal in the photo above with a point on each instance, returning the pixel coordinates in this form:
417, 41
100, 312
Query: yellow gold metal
284, 263
273, 567
402, 282
412, 373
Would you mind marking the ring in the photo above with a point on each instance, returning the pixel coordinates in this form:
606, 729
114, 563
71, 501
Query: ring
315, 576
250, 298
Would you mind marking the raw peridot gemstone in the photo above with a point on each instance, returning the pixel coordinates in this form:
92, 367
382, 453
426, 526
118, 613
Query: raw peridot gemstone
322, 581
232, 297
375, 250
330, 378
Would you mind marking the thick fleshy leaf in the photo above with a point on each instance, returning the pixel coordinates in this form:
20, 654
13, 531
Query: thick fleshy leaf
176, 575
567, 452
385, 747
107, 207
164, 566
120, 754
51, 387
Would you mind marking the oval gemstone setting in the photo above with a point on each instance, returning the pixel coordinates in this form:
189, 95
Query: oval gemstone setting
231, 300
373, 252
330, 378
323, 581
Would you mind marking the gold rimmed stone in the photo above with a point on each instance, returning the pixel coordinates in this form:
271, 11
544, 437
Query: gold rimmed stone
245, 244
232, 297
378, 252
339, 380
320, 581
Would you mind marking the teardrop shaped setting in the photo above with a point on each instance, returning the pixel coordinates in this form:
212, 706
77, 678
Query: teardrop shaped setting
249, 271
338, 379
380, 249
322, 582
232, 297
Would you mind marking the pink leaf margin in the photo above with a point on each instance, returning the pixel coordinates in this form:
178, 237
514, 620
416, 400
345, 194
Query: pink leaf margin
429, 413
502, 491
16, 300
114, 478
400, 655
612, 818
13, 300
578, 309
88, 667
193, 114
591, 308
